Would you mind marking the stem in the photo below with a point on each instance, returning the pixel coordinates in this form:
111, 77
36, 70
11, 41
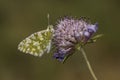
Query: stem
88, 64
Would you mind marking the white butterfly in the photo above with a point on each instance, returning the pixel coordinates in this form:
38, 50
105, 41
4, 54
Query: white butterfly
37, 43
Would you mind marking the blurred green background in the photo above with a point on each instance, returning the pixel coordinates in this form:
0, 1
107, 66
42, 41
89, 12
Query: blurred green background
20, 18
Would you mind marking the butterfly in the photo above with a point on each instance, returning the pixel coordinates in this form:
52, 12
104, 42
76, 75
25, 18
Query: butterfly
37, 43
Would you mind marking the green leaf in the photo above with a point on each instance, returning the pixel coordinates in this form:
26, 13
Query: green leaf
66, 57
37, 43
95, 38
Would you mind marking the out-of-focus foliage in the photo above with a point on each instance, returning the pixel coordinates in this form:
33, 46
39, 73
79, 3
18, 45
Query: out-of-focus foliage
20, 18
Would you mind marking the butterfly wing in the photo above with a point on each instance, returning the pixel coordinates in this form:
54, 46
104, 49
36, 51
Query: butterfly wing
38, 43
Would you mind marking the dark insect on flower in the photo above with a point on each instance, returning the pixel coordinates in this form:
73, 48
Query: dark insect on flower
69, 32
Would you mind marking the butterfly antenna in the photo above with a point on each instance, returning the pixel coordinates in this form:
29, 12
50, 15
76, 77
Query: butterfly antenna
48, 17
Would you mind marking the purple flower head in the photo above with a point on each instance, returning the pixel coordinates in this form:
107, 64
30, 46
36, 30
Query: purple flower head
68, 33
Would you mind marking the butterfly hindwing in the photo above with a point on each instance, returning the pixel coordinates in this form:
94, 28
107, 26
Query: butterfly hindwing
38, 43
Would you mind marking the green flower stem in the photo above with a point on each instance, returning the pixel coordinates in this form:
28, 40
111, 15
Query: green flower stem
88, 63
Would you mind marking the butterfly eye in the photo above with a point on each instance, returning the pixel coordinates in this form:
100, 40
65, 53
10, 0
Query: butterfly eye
37, 43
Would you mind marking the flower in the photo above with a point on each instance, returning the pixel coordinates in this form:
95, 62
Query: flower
69, 32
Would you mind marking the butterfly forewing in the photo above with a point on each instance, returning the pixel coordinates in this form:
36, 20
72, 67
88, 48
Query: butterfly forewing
38, 43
